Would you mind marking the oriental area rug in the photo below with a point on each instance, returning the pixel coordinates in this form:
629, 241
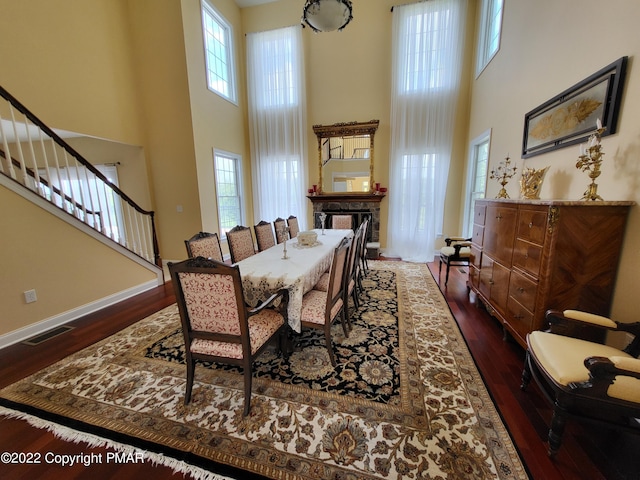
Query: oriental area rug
406, 400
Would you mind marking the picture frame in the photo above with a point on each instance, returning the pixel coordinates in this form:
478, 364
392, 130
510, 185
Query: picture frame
571, 116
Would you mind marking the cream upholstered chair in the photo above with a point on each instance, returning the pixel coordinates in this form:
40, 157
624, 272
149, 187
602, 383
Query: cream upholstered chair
217, 324
204, 244
278, 225
240, 243
341, 221
456, 252
321, 309
292, 223
584, 379
264, 235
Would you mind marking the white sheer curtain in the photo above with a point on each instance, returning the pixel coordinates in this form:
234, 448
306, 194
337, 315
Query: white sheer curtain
277, 127
427, 56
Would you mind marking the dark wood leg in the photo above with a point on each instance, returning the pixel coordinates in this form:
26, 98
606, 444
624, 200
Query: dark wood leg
526, 373
191, 366
556, 430
247, 388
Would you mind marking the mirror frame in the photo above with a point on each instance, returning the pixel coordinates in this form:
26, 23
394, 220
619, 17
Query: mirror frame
347, 129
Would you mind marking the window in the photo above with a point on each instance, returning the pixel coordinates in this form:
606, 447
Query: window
218, 49
277, 129
490, 29
428, 54
83, 194
476, 177
229, 190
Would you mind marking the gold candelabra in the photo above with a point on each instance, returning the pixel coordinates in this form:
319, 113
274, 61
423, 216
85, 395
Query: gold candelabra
590, 161
503, 174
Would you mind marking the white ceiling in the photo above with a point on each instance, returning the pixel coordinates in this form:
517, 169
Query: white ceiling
251, 3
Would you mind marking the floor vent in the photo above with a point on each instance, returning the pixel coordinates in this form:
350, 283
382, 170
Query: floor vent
43, 337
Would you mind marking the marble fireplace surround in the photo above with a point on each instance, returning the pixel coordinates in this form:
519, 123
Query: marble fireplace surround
357, 204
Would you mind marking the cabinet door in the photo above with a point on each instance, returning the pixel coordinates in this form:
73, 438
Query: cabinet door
499, 233
486, 276
500, 287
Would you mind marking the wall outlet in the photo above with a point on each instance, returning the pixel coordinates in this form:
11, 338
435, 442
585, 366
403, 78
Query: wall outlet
30, 296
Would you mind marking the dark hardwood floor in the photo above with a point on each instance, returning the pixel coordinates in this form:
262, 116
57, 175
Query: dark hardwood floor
587, 453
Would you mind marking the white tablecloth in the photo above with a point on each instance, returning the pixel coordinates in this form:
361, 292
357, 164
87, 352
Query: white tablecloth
266, 272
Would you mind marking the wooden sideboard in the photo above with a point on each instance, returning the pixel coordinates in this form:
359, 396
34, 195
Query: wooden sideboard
528, 256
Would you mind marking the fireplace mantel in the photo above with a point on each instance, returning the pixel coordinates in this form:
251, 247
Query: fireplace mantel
356, 204
345, 197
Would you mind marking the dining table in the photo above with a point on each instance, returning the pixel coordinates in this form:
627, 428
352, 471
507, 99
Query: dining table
267, 272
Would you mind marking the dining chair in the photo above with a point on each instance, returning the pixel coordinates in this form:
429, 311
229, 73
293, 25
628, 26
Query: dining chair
321, 309
294, 228
350, 280
217, 324
278, 225
264, 235
341, 221
204, 244
240, 243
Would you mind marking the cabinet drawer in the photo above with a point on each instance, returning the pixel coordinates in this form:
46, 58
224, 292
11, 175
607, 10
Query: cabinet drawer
476, 256
479, 213
532, 225
523, 290
520, 320
478, 234
527, 256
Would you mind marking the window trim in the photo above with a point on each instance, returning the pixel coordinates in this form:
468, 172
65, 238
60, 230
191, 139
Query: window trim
472, 167
484, 58
239, 185
230, 51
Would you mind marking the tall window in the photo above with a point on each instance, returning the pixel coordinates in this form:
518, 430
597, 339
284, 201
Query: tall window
275, 85
490, 31
229, 190
427, 55
218, 49
476, 178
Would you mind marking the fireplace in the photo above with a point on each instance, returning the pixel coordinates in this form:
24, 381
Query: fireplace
358, 205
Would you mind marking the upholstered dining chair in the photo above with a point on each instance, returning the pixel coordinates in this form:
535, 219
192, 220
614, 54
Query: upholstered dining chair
264, 235
240, 243
294, 228
584, 379
457, 252
321, 309
204, 244
278, 225
341, 221
217, 325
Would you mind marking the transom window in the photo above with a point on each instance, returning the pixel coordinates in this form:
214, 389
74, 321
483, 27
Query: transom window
218, 49
490, 31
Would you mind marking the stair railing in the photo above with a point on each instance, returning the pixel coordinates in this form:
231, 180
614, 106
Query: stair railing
35, 156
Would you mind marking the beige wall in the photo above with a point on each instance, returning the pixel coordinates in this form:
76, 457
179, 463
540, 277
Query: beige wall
548, 46
67, 268
217, 123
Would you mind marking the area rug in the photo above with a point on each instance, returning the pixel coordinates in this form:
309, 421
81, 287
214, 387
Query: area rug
405, 402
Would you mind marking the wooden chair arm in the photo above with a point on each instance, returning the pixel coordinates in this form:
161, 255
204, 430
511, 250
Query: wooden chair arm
450, 240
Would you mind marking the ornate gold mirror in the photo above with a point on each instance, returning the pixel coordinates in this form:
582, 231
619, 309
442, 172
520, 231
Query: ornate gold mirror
345, 157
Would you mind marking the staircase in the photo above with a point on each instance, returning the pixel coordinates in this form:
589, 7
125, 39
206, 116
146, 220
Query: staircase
34, 157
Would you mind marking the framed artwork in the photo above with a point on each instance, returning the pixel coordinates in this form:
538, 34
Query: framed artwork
570, 117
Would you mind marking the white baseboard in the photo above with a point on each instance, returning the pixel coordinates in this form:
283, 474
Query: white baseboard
73, 314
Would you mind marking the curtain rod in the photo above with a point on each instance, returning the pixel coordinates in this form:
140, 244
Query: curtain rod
410, 3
